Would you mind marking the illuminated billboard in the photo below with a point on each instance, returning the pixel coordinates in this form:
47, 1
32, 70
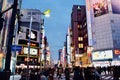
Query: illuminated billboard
115, 6
100, 7
102, 55
33, 51
25, 42
33, 35
117, 54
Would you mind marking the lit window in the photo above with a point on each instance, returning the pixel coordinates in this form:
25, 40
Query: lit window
80, 45
80, 38
78, 7
78, 26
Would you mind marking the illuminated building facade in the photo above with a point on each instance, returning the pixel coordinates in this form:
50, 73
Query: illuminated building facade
103, 24
35, 39
68, 50
79, 32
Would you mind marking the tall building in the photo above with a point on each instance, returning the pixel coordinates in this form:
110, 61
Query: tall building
104, 19
31, 21
59, 56
68, 49
4, 33
79, 32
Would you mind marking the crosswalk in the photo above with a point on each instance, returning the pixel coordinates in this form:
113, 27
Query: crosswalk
104, 77
107, 77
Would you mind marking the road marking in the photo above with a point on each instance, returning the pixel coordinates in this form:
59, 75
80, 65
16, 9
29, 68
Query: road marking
108, 77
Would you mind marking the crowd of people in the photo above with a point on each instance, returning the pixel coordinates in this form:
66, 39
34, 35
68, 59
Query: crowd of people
79, 73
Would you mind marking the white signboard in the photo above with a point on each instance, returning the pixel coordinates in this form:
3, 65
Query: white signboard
33, 51
102, 55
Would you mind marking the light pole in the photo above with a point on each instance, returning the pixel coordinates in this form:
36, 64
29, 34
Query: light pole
5, 75
29, 38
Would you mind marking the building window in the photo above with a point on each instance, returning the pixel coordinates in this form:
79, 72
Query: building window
79, 26
84, 25
29, 13
80, 45
85, 36
78, 7
112, 21
113, 31
80, 38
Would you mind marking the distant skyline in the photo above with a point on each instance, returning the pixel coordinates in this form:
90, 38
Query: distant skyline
57, 24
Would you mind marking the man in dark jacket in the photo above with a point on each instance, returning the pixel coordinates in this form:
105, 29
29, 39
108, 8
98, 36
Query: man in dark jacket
67, 74
78, 74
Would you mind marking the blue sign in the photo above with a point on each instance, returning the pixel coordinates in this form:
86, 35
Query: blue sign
16, 48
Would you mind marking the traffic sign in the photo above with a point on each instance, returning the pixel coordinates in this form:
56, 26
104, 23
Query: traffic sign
16, 48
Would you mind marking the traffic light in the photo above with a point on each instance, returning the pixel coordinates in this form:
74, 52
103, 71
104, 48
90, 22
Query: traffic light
1, 23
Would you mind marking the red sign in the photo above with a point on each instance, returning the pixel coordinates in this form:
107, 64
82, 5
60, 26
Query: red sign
117, 51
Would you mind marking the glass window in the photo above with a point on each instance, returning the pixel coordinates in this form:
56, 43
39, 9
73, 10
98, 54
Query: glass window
80, 45
78, 26
80, 38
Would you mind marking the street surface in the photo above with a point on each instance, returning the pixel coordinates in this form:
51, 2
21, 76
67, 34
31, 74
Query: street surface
15, 77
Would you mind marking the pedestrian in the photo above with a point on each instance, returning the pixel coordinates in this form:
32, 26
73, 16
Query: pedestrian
32, 75
51, 74
67, 73
116, 72
78, 73
59, 73
104, 69
46, 73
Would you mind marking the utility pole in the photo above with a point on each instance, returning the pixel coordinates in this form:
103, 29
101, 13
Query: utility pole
5, 75
10, 37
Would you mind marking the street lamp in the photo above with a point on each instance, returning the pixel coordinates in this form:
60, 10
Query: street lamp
47, 13
29, 38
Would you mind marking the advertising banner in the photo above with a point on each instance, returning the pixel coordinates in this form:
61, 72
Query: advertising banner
102, 55
89, 21
117, 54
33, 35
100, 7
33, 51
115, 6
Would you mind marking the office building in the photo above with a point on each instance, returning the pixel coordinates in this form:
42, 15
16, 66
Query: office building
103, 27
79, 33
31, 20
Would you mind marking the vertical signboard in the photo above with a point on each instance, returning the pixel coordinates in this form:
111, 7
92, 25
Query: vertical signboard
117, 54
89, 21
102, 55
